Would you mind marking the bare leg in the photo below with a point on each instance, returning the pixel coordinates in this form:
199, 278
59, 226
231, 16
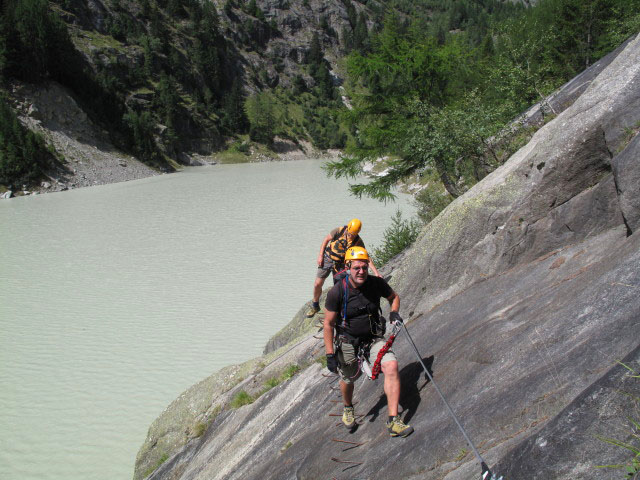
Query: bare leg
391, 386
317, 288
347, 393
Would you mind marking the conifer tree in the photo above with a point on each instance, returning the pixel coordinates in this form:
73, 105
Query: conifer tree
361, 33
234, 118
315, 55
23, 154
262, 118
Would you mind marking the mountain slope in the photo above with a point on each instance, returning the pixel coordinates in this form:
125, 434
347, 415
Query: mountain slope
521, 294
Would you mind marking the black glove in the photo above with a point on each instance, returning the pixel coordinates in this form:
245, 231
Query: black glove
395, 317
332, 362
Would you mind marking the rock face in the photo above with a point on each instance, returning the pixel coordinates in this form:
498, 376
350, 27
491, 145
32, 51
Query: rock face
557, 450
297, 22
625, 168
522, 295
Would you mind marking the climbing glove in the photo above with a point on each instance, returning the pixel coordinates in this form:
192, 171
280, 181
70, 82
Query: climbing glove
395, 317
332, 362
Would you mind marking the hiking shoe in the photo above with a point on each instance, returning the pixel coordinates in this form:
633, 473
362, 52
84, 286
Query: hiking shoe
397, 428
312, 311
348, 418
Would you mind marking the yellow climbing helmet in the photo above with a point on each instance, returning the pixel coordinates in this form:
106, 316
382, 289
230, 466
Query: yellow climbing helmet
356, 253
354, 226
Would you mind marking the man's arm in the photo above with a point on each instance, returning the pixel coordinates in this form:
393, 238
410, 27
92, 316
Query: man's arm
329, 324
326, 240
394, 301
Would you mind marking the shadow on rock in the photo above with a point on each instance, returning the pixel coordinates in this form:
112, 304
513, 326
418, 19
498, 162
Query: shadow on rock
410, 377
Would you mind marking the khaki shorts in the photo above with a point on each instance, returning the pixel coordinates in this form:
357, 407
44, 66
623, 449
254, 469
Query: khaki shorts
326, 268
348, 363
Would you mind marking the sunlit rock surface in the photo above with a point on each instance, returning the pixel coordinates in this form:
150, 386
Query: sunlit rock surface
522, 296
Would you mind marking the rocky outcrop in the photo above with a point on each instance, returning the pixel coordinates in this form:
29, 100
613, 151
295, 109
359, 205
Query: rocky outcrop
627, 175
522, 295
190, 415
297, 22
501, 221
602, 411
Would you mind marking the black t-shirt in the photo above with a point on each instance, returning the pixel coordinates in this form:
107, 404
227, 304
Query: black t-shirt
363, 305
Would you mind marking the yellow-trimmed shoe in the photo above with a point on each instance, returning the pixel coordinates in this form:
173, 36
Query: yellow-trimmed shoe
397, 428
312, 311
349, 418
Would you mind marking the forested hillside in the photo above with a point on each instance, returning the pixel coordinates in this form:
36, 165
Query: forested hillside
167, 78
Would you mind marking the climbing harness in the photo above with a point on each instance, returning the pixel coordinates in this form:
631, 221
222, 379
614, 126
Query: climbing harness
486, 472
376, 330
360, 351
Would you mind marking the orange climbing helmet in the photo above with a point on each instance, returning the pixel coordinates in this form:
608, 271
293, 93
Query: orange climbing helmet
354, 226
356, 253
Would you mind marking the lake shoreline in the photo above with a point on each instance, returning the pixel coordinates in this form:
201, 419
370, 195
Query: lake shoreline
90, 158
83, 174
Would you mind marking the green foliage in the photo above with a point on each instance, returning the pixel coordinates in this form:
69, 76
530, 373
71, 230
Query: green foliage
438, 101
623, 22
39, 40
455, 140
461, 454
163, 458
400, 235
142, 126
23, 153
320, 110
166, 104
254, 10
319, 70
272, 382
356, 35
3, 45
122, 27
210, 52
240, 399
431, 200
401, 69
324, 128
405, 60
361, 41
234, 118
290, 371
260, 112
199, 430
